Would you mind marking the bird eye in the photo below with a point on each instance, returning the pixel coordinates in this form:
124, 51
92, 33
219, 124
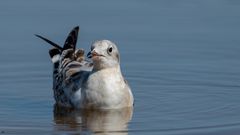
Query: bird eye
110, 49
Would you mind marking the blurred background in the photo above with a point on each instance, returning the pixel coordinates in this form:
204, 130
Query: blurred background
181, 59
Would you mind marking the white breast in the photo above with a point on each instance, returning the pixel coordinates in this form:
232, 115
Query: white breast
106, 88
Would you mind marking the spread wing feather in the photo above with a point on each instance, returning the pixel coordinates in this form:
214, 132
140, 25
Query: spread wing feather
70, 69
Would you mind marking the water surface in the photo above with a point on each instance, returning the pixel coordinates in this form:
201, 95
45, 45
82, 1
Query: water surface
181, 59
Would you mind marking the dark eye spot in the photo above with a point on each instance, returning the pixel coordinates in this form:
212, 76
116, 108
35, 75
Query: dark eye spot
110, 49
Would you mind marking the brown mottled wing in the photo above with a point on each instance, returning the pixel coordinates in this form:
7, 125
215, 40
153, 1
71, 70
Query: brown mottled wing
69, 67
72, 71
71, 75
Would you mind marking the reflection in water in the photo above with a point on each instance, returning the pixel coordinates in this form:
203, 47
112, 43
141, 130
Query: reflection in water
101, 122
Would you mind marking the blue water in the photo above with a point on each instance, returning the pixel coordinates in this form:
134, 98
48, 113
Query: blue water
181, 59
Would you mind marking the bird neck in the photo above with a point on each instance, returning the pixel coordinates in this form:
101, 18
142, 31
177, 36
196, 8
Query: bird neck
98, 66
110, 77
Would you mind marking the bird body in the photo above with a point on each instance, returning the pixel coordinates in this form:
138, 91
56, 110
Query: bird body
80, 83
108, 89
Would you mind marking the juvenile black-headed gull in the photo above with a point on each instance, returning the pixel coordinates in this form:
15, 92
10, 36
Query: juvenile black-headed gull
80, 83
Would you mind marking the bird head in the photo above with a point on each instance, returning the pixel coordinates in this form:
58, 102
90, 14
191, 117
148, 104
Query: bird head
104, 54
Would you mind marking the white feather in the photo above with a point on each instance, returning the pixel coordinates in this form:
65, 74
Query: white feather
55, 58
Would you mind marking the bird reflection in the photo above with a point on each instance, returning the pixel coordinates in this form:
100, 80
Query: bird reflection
101, 122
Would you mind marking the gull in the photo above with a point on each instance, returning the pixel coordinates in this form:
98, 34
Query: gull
97, 82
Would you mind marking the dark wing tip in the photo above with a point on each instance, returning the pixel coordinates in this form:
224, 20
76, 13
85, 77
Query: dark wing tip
71, 40
76, 28
50, 42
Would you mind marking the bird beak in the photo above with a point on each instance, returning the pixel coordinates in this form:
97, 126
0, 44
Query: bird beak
93, 54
